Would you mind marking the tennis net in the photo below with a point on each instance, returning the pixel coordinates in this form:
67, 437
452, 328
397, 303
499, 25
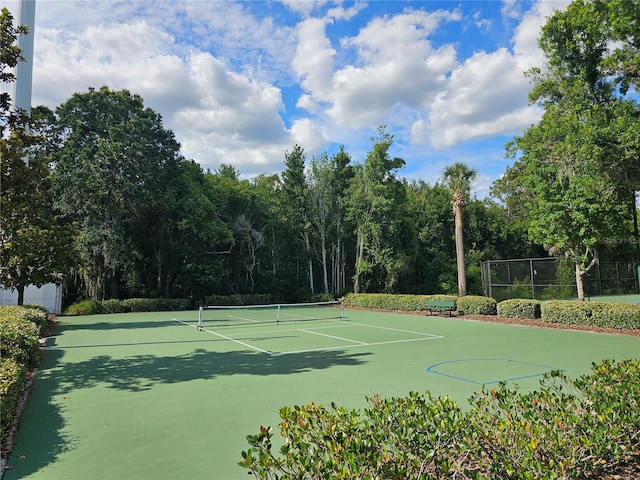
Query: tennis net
221, 315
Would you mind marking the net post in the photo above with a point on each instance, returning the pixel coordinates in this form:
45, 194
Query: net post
342, 309
200, 317
278, 315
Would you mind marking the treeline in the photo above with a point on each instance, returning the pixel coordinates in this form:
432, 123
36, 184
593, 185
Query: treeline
97, 194
134, 218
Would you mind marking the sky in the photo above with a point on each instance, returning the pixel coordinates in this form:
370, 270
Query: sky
243, 82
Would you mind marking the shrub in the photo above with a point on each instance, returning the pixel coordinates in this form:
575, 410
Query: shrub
19, 340
476, 305
568, 429
13, 377
36, 314
84, 307
249, 299
519, 308
599, 314
383, 301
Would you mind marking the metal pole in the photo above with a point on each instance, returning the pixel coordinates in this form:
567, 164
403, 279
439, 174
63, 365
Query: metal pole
24, 70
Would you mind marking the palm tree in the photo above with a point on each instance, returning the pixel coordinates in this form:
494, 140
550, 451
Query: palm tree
458, 178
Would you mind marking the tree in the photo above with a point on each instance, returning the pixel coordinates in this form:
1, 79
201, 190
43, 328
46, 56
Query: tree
34, 243
580, 162
458, 178
109, 179
297, 202
373, 201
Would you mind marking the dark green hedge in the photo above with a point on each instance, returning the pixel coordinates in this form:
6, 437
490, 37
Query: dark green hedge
472, 304
91, 307
382, 301
598, 314
519, 308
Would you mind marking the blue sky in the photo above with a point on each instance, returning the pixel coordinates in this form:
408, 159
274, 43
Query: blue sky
243, 82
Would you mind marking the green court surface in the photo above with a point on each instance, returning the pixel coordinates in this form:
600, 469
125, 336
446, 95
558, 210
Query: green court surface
149, 396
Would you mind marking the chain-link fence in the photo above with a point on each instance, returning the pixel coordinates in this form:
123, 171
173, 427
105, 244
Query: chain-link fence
547, 278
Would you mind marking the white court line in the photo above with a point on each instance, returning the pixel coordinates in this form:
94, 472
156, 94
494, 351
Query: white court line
252, 347
332, 336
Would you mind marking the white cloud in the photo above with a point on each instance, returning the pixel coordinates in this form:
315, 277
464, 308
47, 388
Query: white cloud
487, 94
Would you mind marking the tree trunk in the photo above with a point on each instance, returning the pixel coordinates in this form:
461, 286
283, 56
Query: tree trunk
20, 290
579, 282
359, 256
462, 282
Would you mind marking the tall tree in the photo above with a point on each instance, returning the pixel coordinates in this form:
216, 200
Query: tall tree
580, 162
373, 199
108, 175
458, 179
34, 243
297, 203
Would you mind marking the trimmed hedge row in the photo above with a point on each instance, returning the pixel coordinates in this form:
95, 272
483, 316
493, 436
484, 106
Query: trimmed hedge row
92, 307
403, 303
13, 378
20, 329
519, 308
598, 314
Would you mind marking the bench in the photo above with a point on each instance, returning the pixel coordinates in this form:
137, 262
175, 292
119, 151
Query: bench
441, 306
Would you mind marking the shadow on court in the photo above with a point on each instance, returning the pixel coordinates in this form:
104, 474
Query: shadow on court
44, 436
142, 372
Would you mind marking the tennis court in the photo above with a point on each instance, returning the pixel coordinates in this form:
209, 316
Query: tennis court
166, 396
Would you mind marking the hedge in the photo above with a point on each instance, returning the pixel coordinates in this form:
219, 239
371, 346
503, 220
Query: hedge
519, 308
13, 378
476, 305
92, 307
599, 314
19, 340
404, 303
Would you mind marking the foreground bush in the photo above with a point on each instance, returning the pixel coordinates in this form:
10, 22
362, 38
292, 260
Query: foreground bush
598, 314
19, 339
568, 429
519, 308
13, 377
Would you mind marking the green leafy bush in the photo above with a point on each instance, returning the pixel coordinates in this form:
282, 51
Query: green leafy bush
599, 314
568, 429
90, 307
519, 308
404, 303
472, 304
19, 340
84, 307
13, 377
36, 314
248, 299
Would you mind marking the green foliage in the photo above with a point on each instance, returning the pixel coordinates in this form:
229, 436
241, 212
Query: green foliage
473, 304
383, 301
91, 307
567, 429
519, 308
248, 299
598, 314
19, 334
83, 307
579, 428
36, 314
13, 377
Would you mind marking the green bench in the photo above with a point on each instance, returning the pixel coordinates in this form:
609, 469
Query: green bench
441, 306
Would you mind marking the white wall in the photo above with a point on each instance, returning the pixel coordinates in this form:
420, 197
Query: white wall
49, 295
